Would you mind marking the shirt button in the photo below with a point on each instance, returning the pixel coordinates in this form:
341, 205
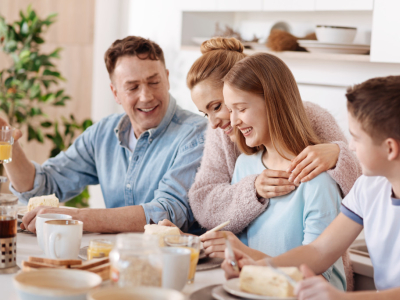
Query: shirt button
150, 140
130, 157
128, 186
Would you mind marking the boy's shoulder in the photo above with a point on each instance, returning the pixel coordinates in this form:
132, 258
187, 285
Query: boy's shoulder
368, 184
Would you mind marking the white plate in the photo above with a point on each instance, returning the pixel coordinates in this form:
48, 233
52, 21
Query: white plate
232, 286
319, 47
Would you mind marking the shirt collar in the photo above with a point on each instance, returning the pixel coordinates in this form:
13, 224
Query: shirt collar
395, 201
124, 125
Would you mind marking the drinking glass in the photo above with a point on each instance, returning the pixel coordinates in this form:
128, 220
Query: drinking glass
190, 242
6, 142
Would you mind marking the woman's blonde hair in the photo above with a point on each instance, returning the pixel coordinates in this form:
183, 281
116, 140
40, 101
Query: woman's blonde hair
219, 56
289, 127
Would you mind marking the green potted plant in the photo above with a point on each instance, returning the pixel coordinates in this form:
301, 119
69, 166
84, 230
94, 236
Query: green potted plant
30, 84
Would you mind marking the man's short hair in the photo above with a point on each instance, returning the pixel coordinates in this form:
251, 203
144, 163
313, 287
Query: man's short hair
375, 103
132, 46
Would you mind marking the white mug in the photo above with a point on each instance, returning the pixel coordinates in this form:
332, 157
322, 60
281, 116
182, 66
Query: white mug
62, 238
40, 219
176, 264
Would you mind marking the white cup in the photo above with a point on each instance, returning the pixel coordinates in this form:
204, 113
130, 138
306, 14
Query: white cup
40, 219
62, 238
176, 264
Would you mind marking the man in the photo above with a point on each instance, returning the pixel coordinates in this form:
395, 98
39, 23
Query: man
144, 160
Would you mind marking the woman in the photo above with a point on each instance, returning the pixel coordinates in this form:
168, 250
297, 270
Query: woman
271, 129
212, 197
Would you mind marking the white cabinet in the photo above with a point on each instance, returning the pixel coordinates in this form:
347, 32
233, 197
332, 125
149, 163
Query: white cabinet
385, 42
344, 4
288, 5
239, 5
198, 5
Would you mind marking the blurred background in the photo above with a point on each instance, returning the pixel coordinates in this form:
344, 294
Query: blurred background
324, 65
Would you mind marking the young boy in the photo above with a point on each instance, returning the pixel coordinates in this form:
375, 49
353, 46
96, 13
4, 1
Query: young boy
372, 204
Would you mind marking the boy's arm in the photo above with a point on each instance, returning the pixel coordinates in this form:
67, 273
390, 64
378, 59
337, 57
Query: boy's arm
326, 249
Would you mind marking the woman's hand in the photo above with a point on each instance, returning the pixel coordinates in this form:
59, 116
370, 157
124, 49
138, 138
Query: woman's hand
272, 183
168, 223
312, 161
242, 260
315, 287
214, 243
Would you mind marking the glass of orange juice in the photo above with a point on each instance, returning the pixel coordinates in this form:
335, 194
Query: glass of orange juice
190, 242
6, 141
99, 248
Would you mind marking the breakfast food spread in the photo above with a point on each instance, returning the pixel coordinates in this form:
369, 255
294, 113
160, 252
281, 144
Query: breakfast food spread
49, 200
265, 281
161, 231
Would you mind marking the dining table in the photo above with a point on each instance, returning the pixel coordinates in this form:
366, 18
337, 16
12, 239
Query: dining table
27, 245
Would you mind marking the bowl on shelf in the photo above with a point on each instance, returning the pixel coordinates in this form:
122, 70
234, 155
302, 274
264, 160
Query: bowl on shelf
57, 284
335, 34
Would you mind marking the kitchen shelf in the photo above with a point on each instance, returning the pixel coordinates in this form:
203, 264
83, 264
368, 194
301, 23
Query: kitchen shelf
301, 55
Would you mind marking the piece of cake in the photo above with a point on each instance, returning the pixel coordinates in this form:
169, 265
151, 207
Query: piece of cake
265, 281
49, 200
161, 231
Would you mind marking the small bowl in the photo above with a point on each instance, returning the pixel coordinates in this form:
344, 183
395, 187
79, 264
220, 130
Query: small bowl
335, 34
55, 284
135, 293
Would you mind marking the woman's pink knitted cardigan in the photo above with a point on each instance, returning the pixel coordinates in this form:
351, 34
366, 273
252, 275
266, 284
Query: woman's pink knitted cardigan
214, 200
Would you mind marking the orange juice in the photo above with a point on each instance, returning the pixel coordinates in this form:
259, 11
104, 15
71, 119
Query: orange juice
5, 151
99, 248
194, 258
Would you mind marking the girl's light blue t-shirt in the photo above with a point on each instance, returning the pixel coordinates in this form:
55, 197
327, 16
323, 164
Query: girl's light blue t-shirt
295, 219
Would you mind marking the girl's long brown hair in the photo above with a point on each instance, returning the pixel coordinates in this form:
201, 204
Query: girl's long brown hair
289, 127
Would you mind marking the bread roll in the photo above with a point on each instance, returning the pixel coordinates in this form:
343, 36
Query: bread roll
161, 231
265, 281
49, 200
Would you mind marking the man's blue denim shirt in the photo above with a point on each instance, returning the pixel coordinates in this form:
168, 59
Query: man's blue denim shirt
157, 175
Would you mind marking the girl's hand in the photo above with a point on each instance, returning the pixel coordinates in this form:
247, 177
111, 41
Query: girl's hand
242, 259
316, 287
214, 243
273, 183
312, 161
168, 223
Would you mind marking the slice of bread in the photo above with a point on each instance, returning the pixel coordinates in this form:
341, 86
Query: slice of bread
49, 200
265, 281
161, 231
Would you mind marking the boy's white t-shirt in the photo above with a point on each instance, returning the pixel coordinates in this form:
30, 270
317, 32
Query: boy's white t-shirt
371, 203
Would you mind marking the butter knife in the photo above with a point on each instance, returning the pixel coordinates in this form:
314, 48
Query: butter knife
270, 264
232, 258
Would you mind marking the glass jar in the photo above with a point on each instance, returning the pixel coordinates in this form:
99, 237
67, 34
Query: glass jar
136, 260
8, 231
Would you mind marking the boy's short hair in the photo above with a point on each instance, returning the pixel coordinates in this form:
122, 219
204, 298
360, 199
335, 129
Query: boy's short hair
132, 46
375, 103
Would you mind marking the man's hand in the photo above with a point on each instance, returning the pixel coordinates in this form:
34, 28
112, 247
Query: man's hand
16, 133
242, 259
29, 220
316, 287
312, 161
214, 243
168, 223
272, 183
